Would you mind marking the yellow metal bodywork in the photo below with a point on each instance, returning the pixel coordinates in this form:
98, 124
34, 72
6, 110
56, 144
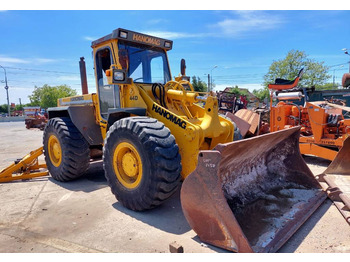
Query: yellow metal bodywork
55, 151
79, 100
127, 165
26, 168
194, 127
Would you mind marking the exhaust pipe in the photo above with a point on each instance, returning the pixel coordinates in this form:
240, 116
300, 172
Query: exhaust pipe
83, 78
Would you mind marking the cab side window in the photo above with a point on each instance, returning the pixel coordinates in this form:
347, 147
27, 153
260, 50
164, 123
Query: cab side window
108, 94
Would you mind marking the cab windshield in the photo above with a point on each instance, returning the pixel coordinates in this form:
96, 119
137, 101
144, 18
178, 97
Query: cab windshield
146, 64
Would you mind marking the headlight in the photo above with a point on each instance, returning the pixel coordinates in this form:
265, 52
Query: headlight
118, 76
167, 44
123, 34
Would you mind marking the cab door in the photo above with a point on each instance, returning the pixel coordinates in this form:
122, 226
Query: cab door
109, 96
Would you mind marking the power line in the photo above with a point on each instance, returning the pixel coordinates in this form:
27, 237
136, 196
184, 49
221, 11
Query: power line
42, 70
339, 64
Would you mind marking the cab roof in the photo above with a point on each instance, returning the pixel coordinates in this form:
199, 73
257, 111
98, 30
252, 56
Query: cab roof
131, 36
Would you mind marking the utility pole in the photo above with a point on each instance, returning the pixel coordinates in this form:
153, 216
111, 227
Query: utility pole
208, 83
7, 92
211, 77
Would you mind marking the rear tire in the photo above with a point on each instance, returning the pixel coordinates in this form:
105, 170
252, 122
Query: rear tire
142, 162
66, 151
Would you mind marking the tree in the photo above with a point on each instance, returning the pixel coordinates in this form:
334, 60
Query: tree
262, 93
46, 96
237, 91
315, 73
3, 108
19, 107
329, 86
199, 85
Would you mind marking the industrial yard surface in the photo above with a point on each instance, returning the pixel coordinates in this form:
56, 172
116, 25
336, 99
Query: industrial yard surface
42, 215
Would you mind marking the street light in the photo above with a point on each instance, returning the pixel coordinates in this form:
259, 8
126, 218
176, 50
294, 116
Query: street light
347, 53
7, 92
211, 78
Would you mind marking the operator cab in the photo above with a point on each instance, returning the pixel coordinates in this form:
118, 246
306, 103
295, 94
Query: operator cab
139, 57
146, 65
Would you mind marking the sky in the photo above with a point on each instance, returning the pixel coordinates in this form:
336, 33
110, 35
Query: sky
236, 47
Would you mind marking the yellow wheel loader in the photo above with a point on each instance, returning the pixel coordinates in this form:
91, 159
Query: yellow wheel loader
153, 133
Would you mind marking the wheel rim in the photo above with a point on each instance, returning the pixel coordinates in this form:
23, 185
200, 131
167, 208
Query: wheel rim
127, 165
55, 151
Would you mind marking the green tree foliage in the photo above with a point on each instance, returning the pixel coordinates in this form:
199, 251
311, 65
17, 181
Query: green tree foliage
315, 73
19, 107
199, 85
235, 90
3, 108
46, 96
262, 93
329, 86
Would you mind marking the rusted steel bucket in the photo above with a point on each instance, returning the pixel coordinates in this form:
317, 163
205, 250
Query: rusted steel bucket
336, 180
251, 195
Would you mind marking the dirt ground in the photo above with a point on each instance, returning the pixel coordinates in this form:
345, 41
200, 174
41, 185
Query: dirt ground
46, 216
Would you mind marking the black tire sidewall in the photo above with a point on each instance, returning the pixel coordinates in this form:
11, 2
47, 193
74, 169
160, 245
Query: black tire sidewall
75, 154
160, 179
49, 131
115, 139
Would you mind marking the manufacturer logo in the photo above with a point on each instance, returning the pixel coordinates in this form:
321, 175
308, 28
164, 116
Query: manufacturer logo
146, 39
77, 98
169, 116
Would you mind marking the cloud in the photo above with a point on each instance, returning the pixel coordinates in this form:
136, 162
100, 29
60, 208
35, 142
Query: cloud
14, 60
248, 22
173, 35
236, 24
43, 60
156, 21
68, 78
90, 38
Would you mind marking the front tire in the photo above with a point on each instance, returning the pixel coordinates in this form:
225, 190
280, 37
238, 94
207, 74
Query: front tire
142, 162
66, 151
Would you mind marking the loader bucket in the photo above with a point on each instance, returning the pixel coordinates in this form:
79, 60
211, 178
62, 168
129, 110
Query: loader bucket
251, 195
336, 180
